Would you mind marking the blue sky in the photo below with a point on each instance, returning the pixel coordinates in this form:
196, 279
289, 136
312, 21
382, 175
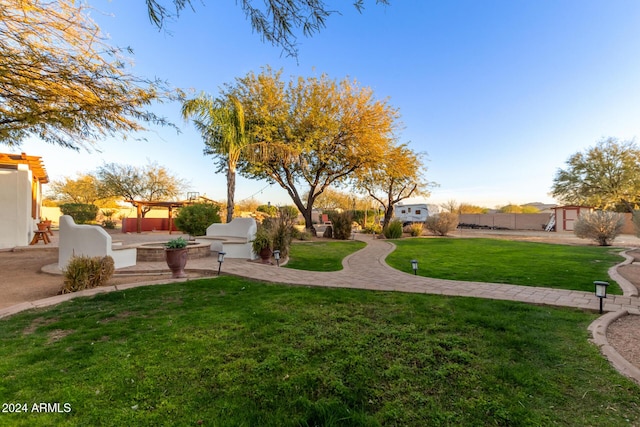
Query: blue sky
498, 93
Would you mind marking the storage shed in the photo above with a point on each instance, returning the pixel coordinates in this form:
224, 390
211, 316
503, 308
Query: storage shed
565, 216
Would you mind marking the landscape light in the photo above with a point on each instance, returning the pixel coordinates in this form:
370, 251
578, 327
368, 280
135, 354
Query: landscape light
601, 291
220, 260
276, 255
414, 265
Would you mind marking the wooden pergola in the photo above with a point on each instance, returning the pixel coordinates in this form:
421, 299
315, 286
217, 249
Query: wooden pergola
139, 204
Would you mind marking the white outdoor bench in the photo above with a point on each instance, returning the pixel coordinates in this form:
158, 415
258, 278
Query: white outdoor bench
90, 240
233, 238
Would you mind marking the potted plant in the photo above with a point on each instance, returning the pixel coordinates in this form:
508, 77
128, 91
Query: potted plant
175, 253
262, 244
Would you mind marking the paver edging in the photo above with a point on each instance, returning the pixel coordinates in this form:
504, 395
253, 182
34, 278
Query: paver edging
598, 329
628, 288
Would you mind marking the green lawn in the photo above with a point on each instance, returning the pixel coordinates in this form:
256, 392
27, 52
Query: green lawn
232, 352
321, 256
503, 261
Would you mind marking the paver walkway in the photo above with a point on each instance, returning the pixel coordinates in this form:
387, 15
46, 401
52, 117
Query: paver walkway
366, 269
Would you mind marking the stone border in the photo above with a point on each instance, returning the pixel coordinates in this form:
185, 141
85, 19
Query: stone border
598, 329
628, 288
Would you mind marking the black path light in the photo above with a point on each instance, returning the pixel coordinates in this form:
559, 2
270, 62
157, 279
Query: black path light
276, 255
220, 260
601, 291
414, 265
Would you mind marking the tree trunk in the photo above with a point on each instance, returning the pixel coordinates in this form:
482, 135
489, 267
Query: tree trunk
388, 214
308, 222
231, 189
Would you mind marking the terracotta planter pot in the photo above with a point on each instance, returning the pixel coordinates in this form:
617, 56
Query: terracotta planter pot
265, 255
176, 261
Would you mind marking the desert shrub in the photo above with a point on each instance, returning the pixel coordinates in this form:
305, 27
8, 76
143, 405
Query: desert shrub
282, 237
81, 213
442, 224
291, 212
414, 229
108, 221
342, 223
268, 209
280, 230
85, 272
600, 226
393, 230
194, 219
372, 229
304, 235
298, 234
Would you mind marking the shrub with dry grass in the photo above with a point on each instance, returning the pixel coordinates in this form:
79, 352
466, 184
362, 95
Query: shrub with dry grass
442, 224
600, 226
85, 272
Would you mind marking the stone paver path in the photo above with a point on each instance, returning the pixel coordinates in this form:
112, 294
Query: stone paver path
366, 269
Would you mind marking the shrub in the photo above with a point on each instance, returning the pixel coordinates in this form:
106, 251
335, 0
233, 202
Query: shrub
600, 226
85, 272
262, 239
108, 222
81, 213
282, 232
372, 229
291, 212
268, 209
341, 223
304, 235
178, 243
194, 219
442, 224
415, 229
393, 230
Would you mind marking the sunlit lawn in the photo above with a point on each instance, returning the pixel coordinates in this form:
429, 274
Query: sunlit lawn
503, 261
231, 352
322, 255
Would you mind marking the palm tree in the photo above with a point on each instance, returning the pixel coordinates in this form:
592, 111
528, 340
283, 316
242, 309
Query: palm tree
222, 126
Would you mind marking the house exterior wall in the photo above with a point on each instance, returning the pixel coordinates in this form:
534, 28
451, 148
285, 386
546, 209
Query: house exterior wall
16, 204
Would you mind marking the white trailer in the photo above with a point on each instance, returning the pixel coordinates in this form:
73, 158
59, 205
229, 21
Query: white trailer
411, 213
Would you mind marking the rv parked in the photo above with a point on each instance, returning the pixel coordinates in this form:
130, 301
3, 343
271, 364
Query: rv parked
409, 214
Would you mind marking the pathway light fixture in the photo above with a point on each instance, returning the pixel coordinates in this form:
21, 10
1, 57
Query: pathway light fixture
601, 291
220, 260
276, 255
414, 265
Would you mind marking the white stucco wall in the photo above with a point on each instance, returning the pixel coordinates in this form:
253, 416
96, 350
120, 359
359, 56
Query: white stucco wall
16, 223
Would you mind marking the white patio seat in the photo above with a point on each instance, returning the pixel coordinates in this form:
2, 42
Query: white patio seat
233, 238
90, 240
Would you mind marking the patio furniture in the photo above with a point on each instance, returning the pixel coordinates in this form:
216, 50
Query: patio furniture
90, 240
40, 235
233, 238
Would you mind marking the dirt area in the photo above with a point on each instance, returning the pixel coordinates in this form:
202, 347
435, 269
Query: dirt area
624, 334
22, 280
